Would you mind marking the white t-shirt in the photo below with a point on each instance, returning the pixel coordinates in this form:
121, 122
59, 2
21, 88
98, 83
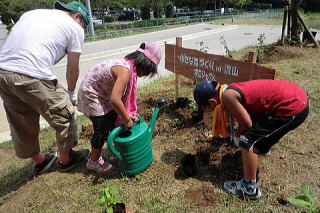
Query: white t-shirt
38, 41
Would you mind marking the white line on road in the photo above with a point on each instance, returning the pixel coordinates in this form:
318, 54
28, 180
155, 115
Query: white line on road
105, 54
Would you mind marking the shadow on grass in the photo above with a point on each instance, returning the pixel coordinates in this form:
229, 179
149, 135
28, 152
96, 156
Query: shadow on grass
15, 178
19, 175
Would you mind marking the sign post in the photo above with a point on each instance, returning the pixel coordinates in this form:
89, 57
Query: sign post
179, 44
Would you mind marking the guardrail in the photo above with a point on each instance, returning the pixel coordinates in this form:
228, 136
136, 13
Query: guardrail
120, 29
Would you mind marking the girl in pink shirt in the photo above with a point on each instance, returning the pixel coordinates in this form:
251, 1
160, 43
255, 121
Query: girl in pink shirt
107, 96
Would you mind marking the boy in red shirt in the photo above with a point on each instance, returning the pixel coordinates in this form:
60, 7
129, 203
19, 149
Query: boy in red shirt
266, 110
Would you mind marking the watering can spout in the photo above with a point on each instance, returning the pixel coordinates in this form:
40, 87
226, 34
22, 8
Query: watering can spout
153, 120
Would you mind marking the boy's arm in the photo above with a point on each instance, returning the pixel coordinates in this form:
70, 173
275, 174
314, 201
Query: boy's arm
231, 101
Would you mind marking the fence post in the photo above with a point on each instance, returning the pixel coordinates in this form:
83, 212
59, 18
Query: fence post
284, 23
177, 79
289, 25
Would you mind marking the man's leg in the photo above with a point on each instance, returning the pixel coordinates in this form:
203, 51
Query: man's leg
59, 113
24, 123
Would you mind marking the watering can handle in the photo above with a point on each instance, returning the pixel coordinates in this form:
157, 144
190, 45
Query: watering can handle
153, 120
114, 133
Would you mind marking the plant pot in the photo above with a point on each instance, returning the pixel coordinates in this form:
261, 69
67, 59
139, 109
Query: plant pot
161, 101
182, 102
197, 116
188, 164
306, 37
119, 208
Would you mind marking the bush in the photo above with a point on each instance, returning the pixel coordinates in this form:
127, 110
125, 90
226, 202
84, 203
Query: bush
110, 19
145, 13
158, 11
169, 11
311, 5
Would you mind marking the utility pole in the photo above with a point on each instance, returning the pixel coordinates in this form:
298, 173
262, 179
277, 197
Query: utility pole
91, 29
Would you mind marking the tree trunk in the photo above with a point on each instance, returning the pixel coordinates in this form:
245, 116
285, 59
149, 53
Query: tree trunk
296, 27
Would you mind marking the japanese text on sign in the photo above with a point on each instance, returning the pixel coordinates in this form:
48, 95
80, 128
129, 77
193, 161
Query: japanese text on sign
203, 63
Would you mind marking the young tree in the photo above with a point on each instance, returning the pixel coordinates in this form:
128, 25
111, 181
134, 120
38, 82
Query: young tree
295, 32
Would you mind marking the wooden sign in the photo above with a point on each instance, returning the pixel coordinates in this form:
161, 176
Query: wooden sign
199, 66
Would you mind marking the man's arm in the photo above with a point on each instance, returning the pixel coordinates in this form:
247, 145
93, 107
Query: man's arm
231, 101
72, 73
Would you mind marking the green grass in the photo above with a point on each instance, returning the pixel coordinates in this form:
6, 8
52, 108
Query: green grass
312, 20
276, 20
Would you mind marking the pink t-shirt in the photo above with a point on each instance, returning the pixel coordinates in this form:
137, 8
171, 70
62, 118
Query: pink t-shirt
95, 90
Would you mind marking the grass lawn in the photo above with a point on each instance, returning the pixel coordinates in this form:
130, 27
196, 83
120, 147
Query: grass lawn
312, 20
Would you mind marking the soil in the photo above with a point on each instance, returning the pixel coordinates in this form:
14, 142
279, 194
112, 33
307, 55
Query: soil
176, 135
213, 155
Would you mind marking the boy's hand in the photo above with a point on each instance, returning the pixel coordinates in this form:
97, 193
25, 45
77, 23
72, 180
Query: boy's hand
236, 141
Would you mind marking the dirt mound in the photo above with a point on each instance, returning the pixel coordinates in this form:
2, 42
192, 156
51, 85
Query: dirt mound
278, 53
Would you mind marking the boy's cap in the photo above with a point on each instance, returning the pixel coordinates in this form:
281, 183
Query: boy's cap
203, 92
151, 51
73, 6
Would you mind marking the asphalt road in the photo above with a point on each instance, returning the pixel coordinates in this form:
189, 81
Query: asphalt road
236, 37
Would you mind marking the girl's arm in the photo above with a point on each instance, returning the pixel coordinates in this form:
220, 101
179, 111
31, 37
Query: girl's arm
121, 74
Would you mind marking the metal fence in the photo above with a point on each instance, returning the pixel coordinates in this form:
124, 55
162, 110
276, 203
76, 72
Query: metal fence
119, 29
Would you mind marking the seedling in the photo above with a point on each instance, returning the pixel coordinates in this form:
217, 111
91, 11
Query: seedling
109, 197
307, 200
193, 105
225, 46
203, 48
261, 46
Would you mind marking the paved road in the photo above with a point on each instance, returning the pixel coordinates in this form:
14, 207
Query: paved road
237, 37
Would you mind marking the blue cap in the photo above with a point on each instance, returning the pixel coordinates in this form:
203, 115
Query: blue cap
204, 91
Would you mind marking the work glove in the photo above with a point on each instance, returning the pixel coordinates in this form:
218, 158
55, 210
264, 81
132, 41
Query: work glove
73, 97
236, 141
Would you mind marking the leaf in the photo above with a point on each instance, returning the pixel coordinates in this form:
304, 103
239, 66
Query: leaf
299, 202
115, 200
109, 209
306, 191
100, 201
113, 190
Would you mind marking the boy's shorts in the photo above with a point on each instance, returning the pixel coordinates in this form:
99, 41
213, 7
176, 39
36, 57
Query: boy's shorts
267, 130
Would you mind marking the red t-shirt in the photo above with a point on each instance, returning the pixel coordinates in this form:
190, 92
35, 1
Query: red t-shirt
281, 97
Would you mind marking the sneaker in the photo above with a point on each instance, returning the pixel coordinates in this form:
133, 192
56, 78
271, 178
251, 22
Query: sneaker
239, 188
101, 166
77, 157
45, 165
266, 154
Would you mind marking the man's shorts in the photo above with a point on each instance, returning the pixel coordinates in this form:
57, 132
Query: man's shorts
26, 98
267, 130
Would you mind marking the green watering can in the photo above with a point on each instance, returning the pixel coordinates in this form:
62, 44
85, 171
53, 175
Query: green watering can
133, 147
